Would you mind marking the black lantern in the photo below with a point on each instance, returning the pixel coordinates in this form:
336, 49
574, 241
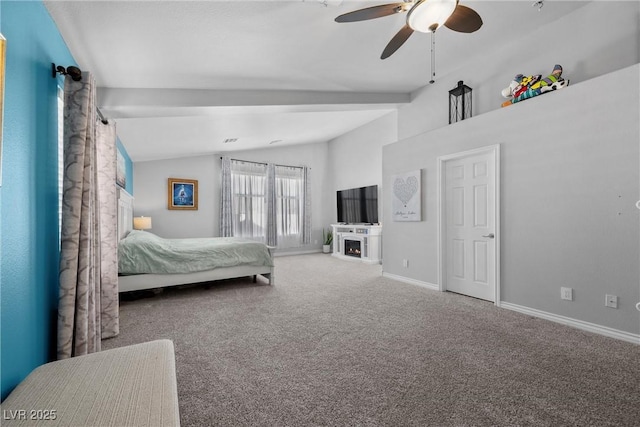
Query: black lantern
459, 103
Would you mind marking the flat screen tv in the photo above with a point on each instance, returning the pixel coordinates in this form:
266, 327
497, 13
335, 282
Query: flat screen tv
358, 205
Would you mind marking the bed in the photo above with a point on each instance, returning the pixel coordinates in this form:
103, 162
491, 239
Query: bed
147, 261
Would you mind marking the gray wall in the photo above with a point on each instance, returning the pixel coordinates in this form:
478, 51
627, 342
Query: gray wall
150, 191
356, 159
150, 196
570, 180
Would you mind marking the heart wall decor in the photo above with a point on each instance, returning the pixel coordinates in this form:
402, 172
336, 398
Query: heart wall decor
407, 198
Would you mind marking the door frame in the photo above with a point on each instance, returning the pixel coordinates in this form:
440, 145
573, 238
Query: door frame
493, 150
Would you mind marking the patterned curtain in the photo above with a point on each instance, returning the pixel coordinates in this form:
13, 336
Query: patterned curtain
226, 200
272, 226
306, 206
106, 161
80, 306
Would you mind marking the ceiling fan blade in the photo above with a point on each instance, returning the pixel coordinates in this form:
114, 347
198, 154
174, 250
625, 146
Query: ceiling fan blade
464, 20
397, 41
371, 12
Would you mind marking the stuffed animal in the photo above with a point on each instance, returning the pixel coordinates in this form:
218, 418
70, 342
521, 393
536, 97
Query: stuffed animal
519, 84
525, 87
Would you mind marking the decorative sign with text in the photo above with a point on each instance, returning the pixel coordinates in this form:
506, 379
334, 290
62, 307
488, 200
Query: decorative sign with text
406, 197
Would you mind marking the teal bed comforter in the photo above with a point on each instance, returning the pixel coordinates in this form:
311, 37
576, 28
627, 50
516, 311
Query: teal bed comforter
142, 252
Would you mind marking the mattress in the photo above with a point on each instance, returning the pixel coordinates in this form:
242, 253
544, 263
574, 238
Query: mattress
142, 252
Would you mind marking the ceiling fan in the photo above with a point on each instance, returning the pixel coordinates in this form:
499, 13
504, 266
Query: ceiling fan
425, 16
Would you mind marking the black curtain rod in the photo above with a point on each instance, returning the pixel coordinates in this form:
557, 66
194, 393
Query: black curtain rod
264, 163
102, 119
76, 75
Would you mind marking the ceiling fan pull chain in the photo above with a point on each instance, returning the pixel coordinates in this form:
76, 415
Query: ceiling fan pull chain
433, 57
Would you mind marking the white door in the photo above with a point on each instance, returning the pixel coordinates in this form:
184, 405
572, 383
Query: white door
469, 223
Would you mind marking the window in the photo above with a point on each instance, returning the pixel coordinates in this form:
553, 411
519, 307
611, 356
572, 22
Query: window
268, 203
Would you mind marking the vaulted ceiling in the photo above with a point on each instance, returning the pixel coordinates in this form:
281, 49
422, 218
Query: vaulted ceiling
187, 77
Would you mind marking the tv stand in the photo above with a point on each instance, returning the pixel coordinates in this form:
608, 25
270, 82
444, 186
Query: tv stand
358, 242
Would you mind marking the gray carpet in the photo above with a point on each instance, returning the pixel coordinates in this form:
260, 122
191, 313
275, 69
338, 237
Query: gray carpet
334, 343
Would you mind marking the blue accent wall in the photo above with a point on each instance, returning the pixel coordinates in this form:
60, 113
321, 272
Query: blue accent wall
29, 251
128, 164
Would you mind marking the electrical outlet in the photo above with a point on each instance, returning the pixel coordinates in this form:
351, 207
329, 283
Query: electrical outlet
405, 263
611, 301
566, 293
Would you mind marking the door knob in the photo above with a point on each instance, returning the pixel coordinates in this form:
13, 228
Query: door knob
490, 235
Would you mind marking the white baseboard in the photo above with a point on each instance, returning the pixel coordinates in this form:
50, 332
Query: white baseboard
284, 252
580, 324
411, 281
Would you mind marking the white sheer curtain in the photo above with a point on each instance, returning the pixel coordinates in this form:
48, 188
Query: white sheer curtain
249, 191
289, 196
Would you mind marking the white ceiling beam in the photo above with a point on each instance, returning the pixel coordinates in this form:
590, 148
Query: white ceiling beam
126, 98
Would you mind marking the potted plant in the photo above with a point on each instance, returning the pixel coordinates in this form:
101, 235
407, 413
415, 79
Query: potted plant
327, 238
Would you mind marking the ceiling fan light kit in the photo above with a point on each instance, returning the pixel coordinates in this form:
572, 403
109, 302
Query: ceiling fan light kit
423, 15
426, 16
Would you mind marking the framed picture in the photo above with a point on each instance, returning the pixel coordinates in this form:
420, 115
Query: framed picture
406, 202
183, 194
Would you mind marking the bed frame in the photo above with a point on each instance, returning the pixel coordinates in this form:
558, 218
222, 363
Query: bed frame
150, 281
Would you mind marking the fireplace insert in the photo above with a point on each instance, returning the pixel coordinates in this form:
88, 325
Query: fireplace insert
352, 248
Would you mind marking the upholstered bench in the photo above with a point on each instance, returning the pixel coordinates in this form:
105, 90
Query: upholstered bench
126, 386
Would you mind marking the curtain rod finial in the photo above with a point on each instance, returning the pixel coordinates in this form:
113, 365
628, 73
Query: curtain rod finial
71, 70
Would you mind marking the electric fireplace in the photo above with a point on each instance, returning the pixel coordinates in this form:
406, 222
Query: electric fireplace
353, 248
